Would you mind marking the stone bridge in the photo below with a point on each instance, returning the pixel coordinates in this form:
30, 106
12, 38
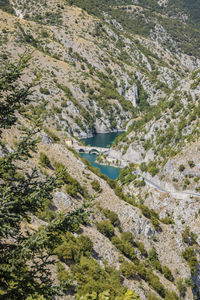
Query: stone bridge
90, 150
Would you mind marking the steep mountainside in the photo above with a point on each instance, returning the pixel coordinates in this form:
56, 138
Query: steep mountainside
101, 66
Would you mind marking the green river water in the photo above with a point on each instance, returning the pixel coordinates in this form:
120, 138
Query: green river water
101, 140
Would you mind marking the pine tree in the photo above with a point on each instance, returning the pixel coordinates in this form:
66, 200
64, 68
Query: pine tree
24, 257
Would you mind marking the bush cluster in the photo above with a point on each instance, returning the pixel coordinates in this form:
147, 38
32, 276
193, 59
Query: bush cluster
73, 187
106, 228
112, 216
152, 215
96, 185
72, 249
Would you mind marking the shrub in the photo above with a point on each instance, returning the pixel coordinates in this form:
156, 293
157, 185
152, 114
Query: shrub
190, 256
146, 211
85, 245
51, 134
92, 279
44, 91
127, 236
155, 223
152, 297
44, 34
167, 220
46, 214
129, 251
181, 168
153, 259
171, 295
96, 185
125, 248
44, 160
142, 270
155, 283
112, 216
141, 248
191, 163
181, 287
106, 228
152, 215
64, 277
64, 103
128, 270
118, 243
153, 170
71, 250
73, 187
167, 273
189, 237
72, 190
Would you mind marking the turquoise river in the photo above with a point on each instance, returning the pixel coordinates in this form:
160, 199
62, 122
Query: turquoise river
101, 140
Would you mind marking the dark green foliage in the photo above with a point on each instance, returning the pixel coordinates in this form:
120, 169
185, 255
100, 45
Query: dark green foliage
44, 91
106, 228
152, 297
142, 271
141, 248
190, 256
153, 259
44, 34
147, 212
92, 278
185, 34
128, 270
65, 278
142, 97
125, 247
112, 216
12, 96
127, 236
96, 185
71, 249
154, 281
191, 163
152, 168
181, 287
126, 175
171, 296
190, 7
152, 215
155, 223
20, 196
181, 168
143, 167
6, 6
189, 237
44, 160
167, 220
73, 187
51, 134
167, 273
24, 256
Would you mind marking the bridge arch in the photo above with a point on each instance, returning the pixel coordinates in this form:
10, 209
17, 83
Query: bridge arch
94, 151
81, 150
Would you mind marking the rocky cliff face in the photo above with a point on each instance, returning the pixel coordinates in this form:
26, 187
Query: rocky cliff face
97, 83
